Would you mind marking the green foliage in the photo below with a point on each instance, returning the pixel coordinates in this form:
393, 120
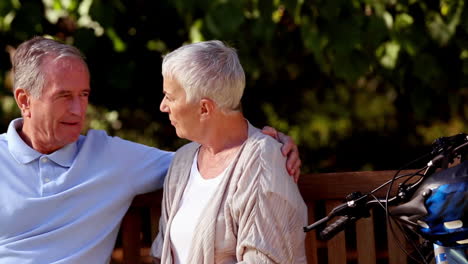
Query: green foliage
359, 84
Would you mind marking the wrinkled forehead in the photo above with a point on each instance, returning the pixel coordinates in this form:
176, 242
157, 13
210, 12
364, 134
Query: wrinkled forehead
64, 63
63, 66
66, 70
172, 86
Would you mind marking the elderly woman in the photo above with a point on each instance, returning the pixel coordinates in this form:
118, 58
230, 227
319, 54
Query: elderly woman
227, 196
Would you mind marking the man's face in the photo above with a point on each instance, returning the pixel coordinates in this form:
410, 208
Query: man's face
58, 115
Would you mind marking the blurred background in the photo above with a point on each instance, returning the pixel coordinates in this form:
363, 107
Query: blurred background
359, 84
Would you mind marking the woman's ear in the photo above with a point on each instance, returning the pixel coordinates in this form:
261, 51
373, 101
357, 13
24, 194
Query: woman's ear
23, 101
207, 107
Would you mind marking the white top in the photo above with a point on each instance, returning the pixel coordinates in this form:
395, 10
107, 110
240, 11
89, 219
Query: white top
195, 198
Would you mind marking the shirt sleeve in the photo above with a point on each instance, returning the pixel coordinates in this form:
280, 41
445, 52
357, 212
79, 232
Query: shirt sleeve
273, 213
152, 170
145, 166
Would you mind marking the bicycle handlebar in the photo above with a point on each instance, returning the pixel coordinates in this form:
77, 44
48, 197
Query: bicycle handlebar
358, 206
336, 227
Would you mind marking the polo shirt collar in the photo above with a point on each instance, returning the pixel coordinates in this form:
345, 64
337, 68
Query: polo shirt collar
65, 156
25, 154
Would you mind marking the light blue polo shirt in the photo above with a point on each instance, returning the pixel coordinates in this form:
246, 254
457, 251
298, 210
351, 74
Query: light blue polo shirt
66, 207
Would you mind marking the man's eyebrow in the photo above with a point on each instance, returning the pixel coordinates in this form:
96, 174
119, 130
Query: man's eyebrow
62, 92
65, 92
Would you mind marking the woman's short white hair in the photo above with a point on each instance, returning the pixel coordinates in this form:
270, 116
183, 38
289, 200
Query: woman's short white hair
29, 57
208, 69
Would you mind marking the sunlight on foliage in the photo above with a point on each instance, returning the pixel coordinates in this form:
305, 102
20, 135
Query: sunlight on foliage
195, 31
277, 14
7, 13
119, 45
5, 22
156, 45
101, 118
403, 21
54, 9
439, 129
9, 108
387, 17
439, 29
332, 74
388, 54
85, 19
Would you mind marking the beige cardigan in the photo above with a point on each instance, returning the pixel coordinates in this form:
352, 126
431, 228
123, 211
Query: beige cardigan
256, 215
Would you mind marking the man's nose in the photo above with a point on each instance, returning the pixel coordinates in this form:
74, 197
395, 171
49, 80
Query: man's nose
77, 106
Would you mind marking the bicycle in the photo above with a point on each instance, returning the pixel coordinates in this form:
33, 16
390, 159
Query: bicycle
431, 202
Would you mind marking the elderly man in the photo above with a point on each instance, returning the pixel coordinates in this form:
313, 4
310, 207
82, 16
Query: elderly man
62, 194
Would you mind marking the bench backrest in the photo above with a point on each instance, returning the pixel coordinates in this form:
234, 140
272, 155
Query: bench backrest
366, 242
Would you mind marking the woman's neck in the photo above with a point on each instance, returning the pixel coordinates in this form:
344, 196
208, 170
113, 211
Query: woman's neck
226, 133
221, 145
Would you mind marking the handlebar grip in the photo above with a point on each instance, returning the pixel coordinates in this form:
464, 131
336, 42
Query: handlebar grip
336, 227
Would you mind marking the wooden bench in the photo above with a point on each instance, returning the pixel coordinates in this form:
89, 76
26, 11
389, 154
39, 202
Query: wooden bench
366, 242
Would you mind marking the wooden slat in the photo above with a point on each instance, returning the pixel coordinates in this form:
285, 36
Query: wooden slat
365, 241
131, 228
325, 186
395, 253
148, 199
337, 245
155, 214
311, 239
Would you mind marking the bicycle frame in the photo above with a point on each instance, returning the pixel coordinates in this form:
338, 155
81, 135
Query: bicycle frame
445, 150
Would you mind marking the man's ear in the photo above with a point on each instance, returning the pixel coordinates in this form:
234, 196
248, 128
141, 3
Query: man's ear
207, 107
23, 101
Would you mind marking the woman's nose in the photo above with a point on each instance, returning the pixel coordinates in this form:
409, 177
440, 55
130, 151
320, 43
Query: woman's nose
163, 107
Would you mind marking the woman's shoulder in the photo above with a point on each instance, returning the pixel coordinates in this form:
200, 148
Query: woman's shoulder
183, 158
263, 151
264, 145
263, 154
186, 151
180, 166
264, 169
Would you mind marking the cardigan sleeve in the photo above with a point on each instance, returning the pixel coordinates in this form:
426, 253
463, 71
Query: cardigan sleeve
166, 203
180, 166
157, 246
271, 212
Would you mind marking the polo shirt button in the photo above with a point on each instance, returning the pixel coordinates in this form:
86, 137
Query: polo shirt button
44, 159
46, 180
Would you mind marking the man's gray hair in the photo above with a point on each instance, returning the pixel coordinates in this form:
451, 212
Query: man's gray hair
29, 57
208, 69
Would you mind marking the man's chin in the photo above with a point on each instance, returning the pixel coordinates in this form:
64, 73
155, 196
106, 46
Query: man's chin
72, 137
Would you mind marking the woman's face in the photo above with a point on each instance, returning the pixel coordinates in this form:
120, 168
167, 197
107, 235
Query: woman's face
184, 116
